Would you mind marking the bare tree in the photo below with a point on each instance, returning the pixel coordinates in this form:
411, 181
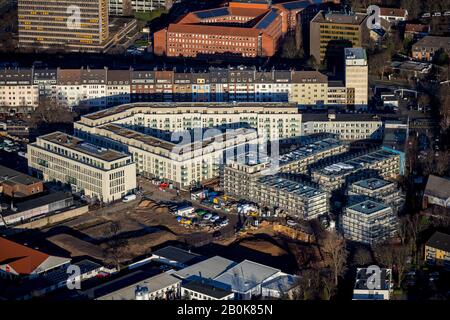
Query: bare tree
362, 257
401, 255
114, 245
334, 247
384, 255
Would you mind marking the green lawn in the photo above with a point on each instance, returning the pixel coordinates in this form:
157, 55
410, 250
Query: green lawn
149, 16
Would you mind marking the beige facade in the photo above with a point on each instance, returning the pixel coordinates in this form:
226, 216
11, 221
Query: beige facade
309, 88
357, 77
97, 172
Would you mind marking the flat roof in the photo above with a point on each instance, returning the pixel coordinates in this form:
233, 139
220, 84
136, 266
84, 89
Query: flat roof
79, 145
207, 288
38, 202
368, 207
179, 255
309, 149
293, 187
339, 18
151, 284
355, 53
372, 183
208, 269
191, 105
345, 163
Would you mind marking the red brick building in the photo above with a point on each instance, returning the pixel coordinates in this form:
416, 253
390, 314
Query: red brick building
248, 29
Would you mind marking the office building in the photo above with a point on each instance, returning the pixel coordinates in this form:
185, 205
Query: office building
437, 250
369, 222
331, 32
100, 173
79, 25
373, 287
357, 78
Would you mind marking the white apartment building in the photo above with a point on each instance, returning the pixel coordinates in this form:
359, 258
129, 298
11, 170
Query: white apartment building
97, 172
118, 87
273, 120
349, 126
369, 222
196, 158
357, 77
17, 89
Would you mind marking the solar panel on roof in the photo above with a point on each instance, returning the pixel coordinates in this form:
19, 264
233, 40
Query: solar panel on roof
296, 5
213, 13
267, 20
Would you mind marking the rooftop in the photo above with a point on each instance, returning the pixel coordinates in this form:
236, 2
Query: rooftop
339, 18
355, 53
7, 174
346, 163
393, 12
76, 144
433, 42
372, 183
438, 187
25, 260
152, 284
439, 241
209, 268
179, 255
290, 186
40, 201
208, 288
246, 275
368, 207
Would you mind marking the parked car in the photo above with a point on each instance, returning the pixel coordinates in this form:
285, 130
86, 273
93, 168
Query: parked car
129, 198
224, 223
214, 217
207, 216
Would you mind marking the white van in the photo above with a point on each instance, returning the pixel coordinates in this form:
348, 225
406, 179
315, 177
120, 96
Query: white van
129, 198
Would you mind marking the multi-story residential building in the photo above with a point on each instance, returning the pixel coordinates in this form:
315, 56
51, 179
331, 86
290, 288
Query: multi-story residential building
393, 15
347, 168
437, 250
330, 32
357, 77
369, 222
373, 284
290, 197
348, 126
273, 120
309, 88
17, 89
376, 189
61, 24
425, 48
118, 86
184, 163
128, 7
97, 172
98, 88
